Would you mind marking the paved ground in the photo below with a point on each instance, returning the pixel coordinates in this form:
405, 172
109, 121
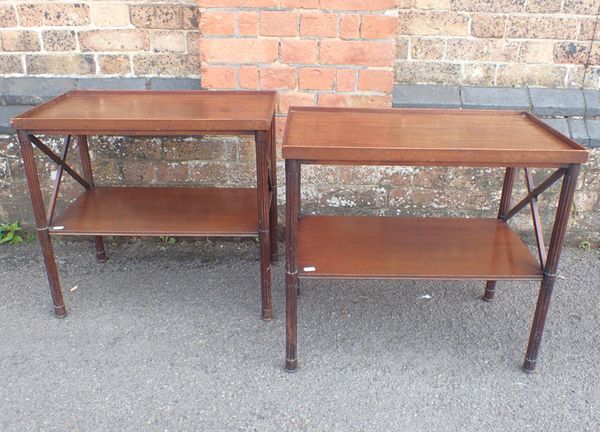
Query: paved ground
169, 338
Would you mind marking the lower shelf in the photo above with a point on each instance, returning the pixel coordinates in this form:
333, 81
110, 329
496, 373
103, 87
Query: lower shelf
155, 211
412, 248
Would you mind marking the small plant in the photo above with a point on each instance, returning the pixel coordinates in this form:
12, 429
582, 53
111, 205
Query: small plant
586, 246
168, 240
8, 233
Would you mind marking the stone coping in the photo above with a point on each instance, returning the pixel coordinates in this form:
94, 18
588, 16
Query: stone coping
18, 94
574, 112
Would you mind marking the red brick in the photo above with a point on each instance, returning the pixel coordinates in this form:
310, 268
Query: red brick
378, 26
278, 24
278, 77
369, 5
345, 80
298, 51
318, 24
218, 77
376, 80
332, 100
357, 53
316, 78
292, 99
248, 77
349, 26
217, 23
239, 50
248, 23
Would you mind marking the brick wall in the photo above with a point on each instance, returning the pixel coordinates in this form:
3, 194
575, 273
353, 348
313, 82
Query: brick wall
313, 52
546, 43
114, 38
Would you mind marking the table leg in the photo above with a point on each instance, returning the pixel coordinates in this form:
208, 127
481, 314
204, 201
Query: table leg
292, 177
274, 235
86, 167
299, 203
507, 188
556, 242
43, 233
262, 176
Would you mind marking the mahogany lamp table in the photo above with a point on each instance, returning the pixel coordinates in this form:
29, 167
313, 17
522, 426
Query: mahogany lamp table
153, 211
364, 247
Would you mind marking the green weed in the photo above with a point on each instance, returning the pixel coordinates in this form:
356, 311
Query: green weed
9, 233
168, 240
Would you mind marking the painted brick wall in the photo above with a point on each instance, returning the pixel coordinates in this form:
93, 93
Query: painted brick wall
118, 38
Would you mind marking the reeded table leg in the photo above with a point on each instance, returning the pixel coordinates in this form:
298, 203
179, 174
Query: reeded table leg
292, 176
42, 225
490, 291
556, 243
273, 216
262, 175
86, 167
507, 188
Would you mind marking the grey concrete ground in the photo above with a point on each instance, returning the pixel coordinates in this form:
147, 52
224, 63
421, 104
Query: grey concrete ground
169, 338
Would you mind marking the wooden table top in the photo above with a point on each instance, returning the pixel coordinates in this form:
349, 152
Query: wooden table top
426, 137
150, 112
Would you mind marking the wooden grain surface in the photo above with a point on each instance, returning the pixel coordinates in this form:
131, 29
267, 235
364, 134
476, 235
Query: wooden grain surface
136, 112
426, 137
412, 248
157, 211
